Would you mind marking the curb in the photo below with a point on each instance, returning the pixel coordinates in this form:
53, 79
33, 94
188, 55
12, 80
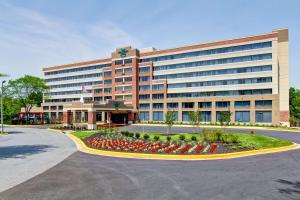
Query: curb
81, 146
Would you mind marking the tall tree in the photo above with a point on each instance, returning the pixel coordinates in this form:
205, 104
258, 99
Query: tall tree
28, 91
3, 75
294, 106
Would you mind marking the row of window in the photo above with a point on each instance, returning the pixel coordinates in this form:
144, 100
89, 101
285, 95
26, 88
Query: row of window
76, 84
205, 116
215, 62
154, 87
220, 93
215, 72
210, 52
219, 104
221, 82
79, 69
74, 77
67, 92
122, 62
123, 70
123, 88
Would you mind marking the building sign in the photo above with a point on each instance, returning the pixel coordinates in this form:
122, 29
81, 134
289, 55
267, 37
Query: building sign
123, 52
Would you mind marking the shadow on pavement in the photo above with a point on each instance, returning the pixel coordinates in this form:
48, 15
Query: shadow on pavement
292, 189
21, 151
14, 132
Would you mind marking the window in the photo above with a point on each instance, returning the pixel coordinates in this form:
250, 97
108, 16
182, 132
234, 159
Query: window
60, 107
188, 105
108, 73
45, 107
204, 104
263, 116
107, 98
108, 82
144, 69
158, 87
186, 116
223, 104
118, 80
53, 108
158, 105
205, 116
84, 76
144, 78
127, 79
263, 103
144, 96
97, 98
127, 97
107, 90
119, 71
172, 105
127, 61
119, 62
144, 105
144, 116
242, 116
127, 70
98, 116
119, 97
144, 87
127, 88
119, 88
157, 96
158, 116
97, 91
242, 104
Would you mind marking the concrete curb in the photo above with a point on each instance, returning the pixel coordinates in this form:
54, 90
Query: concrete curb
81, 146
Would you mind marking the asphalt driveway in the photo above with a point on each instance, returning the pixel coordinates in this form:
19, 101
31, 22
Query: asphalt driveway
27, 152
84, 176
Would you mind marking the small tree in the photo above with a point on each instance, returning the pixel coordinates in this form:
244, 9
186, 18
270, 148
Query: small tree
224, 118
195, 119
170, 118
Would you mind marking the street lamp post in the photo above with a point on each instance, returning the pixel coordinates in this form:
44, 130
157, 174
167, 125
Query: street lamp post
2, 131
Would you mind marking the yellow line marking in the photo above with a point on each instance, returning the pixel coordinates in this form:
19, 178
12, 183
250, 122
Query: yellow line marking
82, 147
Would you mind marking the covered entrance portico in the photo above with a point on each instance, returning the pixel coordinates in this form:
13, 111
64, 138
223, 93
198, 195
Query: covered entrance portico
91, 115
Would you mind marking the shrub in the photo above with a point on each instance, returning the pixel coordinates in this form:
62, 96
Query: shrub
130, 134
146, 137
137, 135
169, 138
156, 138
181, 137
126, 133
230, 138
218, 134
193, 138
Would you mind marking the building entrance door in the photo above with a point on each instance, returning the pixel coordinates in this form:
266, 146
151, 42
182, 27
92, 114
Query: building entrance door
119, 118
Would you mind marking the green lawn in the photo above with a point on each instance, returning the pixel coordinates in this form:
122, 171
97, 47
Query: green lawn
83, 134
260, 141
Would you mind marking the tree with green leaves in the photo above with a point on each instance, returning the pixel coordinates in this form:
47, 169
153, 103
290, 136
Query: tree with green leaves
195, 118
170, 118
27, 90
294, 106
224, 118
3, 75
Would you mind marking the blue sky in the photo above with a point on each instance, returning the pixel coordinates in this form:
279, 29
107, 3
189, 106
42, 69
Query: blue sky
39, 33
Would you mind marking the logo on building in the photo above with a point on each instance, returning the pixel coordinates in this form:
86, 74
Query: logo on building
123, 52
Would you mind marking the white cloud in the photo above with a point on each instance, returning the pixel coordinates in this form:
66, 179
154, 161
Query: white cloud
30, 40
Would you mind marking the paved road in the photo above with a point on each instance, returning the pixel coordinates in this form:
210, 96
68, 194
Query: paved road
27, 152
84, 176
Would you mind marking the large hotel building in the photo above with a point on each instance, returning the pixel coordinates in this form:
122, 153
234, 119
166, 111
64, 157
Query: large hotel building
247, 76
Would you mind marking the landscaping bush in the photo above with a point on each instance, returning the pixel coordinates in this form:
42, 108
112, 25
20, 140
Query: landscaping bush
181, 137
230, 138
130, 134
169, 138
193, 138
218, 134
137, 135
146, 137
156, 138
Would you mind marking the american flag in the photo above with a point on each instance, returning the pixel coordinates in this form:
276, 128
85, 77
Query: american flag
83, 90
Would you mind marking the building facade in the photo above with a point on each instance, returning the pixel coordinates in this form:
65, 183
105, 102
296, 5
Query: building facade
246, 76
